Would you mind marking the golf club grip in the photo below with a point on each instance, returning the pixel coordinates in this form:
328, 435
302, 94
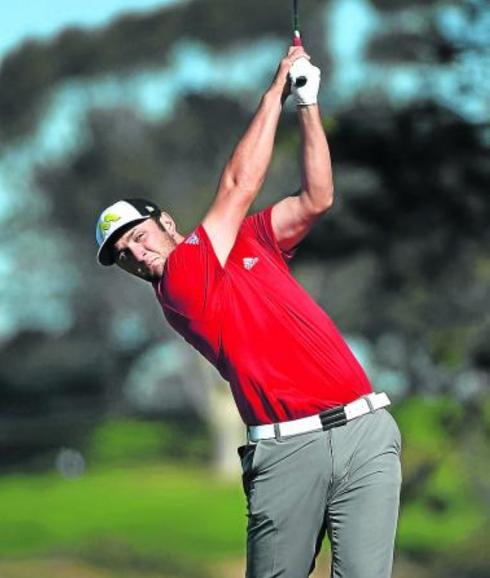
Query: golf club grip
301, 80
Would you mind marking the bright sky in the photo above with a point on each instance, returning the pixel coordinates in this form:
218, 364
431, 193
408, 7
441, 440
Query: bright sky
42, 18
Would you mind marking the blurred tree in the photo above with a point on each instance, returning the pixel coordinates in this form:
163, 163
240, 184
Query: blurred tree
412, 193
407, 236
30, 74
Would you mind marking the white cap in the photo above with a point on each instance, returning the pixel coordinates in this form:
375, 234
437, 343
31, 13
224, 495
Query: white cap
117, 216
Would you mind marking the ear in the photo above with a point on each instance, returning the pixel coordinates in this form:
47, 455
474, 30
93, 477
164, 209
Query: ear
168, 223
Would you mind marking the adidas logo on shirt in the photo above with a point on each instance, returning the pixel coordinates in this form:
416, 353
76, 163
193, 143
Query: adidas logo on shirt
249, 262
192, 239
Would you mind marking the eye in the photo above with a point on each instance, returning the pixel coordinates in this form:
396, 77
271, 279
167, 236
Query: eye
139, 236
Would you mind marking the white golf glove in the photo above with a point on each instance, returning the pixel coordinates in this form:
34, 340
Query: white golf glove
308, 93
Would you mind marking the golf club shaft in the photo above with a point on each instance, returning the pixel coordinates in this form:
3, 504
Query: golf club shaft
301, 80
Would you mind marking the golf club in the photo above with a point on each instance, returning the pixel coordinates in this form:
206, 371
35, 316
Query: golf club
301, 80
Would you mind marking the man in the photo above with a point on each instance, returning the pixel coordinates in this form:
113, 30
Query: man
323, 453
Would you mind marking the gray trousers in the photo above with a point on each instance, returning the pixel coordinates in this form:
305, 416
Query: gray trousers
344, 482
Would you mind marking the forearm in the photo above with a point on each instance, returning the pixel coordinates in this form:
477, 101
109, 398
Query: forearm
245, 172
316, 173
246, 169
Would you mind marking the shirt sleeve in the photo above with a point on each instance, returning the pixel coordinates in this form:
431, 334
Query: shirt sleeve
191, 273
260, 225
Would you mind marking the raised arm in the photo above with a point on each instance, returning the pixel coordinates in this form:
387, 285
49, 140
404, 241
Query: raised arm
294, 216
245, 171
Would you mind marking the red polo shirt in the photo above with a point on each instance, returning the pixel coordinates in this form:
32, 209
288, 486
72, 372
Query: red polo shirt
281, 353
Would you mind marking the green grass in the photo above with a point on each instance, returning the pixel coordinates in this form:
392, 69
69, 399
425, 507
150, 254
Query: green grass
177, 512
155, 510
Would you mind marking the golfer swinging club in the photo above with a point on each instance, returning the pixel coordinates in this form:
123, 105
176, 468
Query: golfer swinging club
322, 453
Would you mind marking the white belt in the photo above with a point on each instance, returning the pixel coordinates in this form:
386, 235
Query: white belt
324, 420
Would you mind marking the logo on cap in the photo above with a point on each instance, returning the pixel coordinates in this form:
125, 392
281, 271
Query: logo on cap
105, 223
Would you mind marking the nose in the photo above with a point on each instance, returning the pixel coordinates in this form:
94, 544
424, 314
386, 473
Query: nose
139, 252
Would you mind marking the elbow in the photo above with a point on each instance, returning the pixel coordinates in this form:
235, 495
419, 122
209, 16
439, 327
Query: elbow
323, 202
238, 187
328, 200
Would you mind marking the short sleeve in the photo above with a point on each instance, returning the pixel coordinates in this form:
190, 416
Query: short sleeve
260, 225
191, 274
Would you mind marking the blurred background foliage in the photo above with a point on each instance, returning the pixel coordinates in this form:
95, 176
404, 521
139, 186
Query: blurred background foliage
117, 444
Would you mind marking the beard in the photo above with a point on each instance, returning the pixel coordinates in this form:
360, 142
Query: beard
147, 275
151, 275
143, 272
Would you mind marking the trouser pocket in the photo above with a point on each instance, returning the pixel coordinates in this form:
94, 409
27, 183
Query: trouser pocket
247, 454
